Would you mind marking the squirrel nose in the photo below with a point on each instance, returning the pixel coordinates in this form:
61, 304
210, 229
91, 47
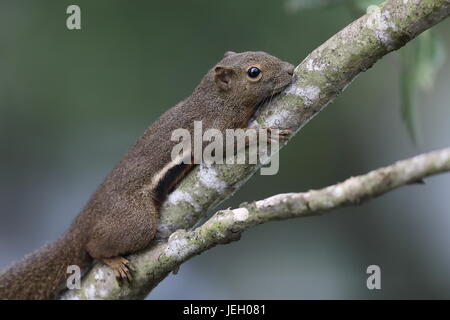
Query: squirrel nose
290, 69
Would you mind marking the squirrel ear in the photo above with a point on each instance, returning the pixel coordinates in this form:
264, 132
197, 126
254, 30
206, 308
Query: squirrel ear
228, 53
222, 77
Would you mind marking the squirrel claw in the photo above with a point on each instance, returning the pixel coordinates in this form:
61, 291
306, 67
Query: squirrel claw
283, 134
121, 268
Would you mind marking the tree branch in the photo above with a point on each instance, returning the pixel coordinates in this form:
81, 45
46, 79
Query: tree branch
227, 225
323, 75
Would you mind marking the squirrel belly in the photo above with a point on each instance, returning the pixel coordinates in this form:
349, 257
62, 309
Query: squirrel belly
122, 215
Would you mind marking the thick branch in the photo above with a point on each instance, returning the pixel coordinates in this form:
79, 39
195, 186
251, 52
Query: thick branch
318, 80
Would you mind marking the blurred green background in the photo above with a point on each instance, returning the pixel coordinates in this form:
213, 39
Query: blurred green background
72, 102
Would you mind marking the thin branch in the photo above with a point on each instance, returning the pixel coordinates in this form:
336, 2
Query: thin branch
323, 75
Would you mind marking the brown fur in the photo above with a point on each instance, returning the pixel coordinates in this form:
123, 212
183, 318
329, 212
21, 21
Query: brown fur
121, 216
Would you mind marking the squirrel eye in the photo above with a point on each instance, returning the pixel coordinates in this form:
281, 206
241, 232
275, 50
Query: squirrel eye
253, 72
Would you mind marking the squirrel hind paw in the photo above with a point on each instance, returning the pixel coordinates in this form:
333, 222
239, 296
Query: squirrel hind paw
121, 268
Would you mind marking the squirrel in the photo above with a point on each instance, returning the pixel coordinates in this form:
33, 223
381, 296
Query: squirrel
121, 216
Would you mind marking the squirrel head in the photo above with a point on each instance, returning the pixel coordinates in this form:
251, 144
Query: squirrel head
250, 77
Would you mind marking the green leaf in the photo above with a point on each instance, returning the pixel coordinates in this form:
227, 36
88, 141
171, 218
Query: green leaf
431, 57
408, 107
420, 61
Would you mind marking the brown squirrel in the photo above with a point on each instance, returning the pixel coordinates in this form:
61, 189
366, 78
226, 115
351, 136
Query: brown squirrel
121, 216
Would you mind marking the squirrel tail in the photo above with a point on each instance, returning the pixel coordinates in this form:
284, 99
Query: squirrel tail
42, 275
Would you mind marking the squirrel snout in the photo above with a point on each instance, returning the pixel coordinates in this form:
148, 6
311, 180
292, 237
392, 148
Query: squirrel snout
290, 69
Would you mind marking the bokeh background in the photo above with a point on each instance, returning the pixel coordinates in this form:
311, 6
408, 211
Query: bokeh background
72, 102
